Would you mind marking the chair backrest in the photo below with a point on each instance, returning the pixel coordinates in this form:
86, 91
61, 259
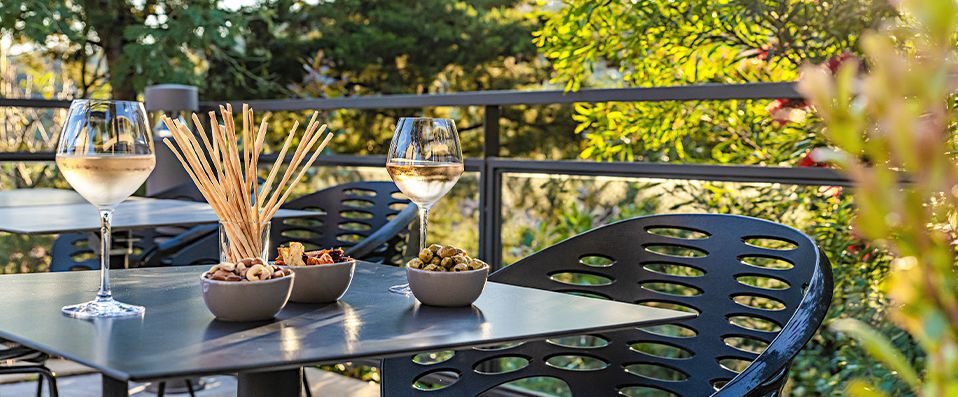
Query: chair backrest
760, 289
354, 211
72, 251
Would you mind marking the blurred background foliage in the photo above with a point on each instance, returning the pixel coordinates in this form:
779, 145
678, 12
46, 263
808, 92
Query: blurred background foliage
895, 122
327, 49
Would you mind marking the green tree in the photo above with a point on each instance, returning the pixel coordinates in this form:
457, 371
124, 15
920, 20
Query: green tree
356, 48
141, 42
657, 43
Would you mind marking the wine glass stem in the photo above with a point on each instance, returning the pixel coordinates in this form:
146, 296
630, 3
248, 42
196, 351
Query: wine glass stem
106, 220
423, 223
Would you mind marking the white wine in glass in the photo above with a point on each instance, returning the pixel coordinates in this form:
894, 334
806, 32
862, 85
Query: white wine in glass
105, 152
425, 161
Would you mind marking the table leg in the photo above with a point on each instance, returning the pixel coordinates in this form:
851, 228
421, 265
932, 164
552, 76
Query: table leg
114, 387
286, 383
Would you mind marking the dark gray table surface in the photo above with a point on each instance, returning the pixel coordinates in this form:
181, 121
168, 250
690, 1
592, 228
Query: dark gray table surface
39, 196
134, 213
178, 336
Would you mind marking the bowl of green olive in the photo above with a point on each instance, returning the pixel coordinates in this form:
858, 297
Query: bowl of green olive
443, 275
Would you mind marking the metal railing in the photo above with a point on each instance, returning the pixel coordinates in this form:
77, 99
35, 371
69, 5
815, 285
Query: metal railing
491, 167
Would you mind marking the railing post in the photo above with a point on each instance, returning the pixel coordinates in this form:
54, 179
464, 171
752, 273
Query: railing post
172, 99
490, 243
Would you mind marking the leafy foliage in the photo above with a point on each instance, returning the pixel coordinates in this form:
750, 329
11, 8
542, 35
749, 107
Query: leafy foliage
652, 43
435, 46
900, 116
142, 42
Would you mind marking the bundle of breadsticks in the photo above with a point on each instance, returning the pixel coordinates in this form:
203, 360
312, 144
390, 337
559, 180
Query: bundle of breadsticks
227, 176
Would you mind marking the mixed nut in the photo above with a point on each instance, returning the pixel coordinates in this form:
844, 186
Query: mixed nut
296, 255
249, 269
444, 258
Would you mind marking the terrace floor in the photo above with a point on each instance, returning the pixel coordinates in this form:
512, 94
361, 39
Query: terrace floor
76, 380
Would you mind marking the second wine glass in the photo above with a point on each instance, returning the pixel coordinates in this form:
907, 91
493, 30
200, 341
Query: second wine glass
425, 161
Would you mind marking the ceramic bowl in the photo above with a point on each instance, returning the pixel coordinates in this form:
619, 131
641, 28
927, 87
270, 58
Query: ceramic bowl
321, 283
246, 300
447, 288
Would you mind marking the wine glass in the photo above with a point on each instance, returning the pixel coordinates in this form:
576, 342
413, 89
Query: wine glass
425, 161
105, 152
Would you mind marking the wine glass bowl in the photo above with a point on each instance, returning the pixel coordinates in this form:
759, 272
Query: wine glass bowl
425, 161
105, 152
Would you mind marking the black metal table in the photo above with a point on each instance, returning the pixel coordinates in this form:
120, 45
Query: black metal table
133, 213
179, 337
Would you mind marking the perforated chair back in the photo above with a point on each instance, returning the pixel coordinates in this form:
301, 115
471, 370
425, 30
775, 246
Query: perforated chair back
72, 251
754, 284
354, 211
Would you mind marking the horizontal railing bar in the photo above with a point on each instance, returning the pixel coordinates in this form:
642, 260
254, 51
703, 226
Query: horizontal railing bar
470, 165
701, 92
814, 176
730, 173
28, 156
34, 103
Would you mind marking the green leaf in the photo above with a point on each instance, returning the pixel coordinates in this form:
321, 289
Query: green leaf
879, 348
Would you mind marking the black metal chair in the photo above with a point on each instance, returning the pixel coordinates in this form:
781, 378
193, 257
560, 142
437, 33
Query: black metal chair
24, 360
366, 219
167, 246
760, 289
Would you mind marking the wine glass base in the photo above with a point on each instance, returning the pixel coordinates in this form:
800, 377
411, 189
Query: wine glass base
401, 289
102, 308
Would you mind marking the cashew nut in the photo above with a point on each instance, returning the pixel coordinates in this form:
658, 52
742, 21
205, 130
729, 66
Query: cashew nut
257, 272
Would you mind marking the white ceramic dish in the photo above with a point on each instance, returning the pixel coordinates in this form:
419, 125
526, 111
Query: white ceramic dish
321, 283
448, 289
246, 300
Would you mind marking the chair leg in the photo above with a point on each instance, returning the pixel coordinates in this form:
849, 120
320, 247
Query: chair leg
40, 380
309, 393
189, 387
161, 389
52, 382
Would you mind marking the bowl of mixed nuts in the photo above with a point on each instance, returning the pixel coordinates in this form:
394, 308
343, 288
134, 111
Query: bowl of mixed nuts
322, 276
249, 290
443, 275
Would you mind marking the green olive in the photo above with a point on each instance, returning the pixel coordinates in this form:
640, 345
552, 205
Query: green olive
477, 264
448, 263
448, 251
415, 263
426, 255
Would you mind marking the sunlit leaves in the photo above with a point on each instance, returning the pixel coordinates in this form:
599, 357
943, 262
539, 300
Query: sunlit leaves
650, 43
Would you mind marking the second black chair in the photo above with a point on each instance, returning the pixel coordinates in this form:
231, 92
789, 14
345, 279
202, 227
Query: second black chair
760, 290
367, 219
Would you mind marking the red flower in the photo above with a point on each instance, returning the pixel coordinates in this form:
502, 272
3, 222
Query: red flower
837, 61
